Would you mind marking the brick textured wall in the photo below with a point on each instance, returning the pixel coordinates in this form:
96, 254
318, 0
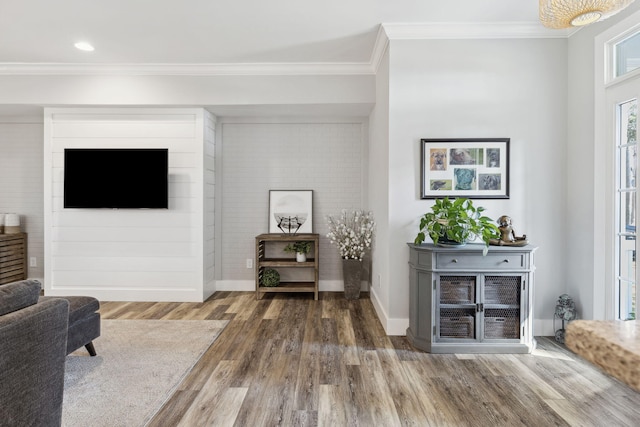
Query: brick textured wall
21, 187
257, 157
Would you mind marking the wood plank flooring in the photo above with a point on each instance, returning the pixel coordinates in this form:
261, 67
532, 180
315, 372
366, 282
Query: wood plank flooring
287, 360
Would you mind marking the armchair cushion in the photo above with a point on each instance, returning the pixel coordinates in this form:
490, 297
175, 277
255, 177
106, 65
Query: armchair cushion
84, 321
18, 295
81, 307
32, 356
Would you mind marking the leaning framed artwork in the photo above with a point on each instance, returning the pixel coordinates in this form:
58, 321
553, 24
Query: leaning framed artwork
291, 211
473, 168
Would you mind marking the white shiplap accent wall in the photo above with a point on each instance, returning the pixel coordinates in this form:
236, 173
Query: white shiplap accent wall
325, 157
127, 254
21, 184
209, 203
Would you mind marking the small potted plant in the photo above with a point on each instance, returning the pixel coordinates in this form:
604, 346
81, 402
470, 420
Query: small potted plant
455, 222
301, 249
270, 278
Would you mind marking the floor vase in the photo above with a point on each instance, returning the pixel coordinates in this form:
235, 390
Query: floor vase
351, 273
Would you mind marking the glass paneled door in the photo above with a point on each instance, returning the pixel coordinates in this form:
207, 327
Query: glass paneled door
626, 291
616, 206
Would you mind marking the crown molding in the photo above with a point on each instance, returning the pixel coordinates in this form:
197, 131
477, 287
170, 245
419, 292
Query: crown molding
465, 30
448, 30
379, 48
386, 32
264, 69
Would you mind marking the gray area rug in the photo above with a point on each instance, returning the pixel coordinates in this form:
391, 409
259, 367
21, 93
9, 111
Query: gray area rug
139, 365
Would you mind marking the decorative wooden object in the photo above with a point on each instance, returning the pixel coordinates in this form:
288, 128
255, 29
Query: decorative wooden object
267, 256
464, 302
13, 257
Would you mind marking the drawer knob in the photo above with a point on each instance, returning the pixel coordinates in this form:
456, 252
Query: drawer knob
454, 260
506, 260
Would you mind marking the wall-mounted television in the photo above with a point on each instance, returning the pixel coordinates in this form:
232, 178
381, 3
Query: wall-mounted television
116, 178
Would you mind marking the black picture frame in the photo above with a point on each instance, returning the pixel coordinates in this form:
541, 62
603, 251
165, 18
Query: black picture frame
475, 168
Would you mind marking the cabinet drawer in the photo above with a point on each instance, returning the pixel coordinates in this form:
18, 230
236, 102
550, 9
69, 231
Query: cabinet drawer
497, 261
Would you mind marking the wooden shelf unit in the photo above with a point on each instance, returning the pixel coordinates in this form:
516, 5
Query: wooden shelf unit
13, 257
263, 261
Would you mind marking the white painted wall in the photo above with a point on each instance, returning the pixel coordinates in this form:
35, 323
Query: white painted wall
535, 91
480, 89
325, 156
21, 178
129, 254
587, 187
580, 201
114, 90
379, 194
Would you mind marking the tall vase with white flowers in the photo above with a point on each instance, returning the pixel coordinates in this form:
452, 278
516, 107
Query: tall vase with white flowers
352, 233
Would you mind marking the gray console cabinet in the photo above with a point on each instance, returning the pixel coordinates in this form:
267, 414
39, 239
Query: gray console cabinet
464, 302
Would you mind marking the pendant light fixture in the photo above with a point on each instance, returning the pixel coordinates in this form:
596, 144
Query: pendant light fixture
576, 13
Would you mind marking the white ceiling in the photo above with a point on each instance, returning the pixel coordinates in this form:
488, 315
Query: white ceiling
224, 31
223, 34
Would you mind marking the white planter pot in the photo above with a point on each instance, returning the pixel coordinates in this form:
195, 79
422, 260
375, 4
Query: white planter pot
11, 223
301, 257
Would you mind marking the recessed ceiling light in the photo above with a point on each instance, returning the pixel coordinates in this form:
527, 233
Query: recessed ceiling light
84, 46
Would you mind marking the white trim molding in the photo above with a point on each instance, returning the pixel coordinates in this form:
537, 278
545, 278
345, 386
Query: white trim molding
386, 32
394, 327
249, 285
266, 69
466, 30
379, 48
459, 30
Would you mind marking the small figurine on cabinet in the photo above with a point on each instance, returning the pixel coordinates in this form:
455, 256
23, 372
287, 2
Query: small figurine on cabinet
507, 234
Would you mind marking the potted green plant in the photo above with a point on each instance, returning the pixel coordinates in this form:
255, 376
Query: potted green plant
270, 278
455, 222
301, 249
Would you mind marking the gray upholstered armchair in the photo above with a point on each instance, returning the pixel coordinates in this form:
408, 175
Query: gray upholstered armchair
33, 347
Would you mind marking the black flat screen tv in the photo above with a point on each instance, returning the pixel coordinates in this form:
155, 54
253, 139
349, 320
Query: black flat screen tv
115, 178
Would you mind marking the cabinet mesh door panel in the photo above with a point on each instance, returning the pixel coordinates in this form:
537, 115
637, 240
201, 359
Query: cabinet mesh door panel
502, 290
457, 289
457, 323
502, 323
